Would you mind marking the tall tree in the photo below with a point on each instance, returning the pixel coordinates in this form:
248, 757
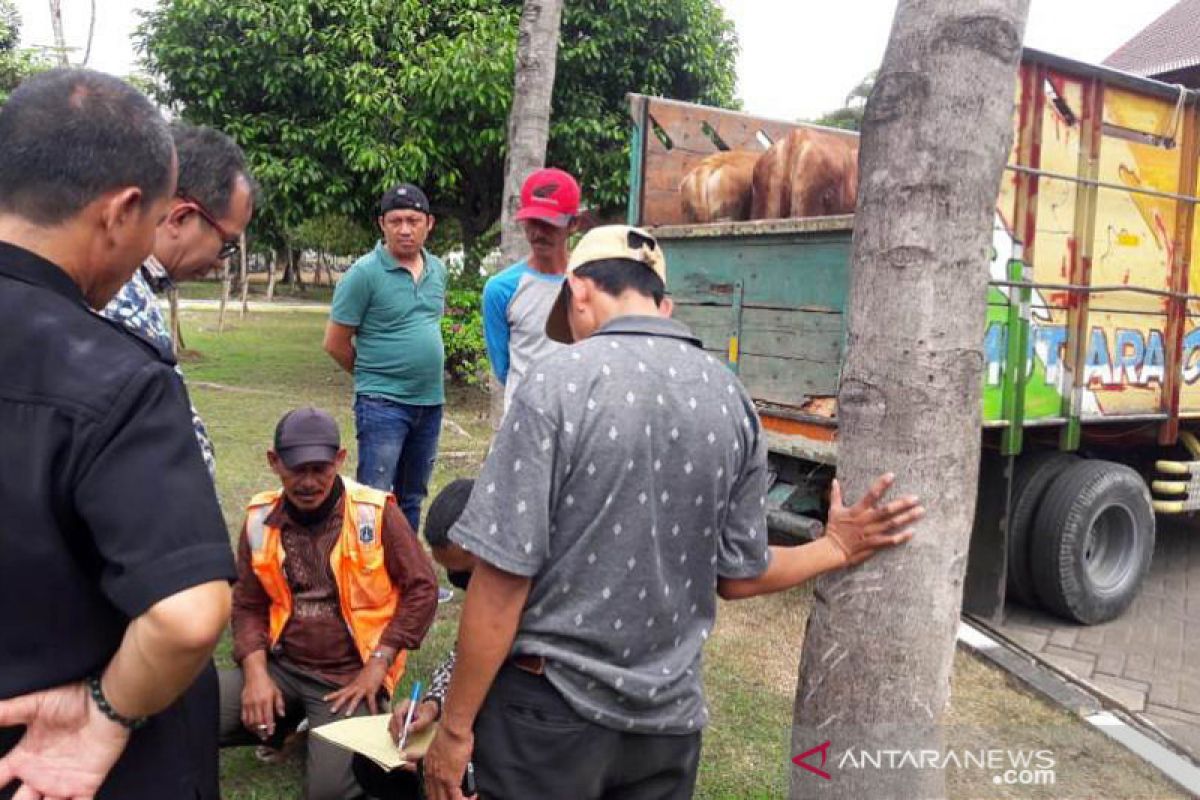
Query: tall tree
528, 132
16, 63
60, 39
682, 49
875, 670
62, 52
335, 100
529, 116
91, 35
849, 116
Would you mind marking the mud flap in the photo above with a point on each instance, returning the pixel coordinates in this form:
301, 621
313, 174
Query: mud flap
987, 559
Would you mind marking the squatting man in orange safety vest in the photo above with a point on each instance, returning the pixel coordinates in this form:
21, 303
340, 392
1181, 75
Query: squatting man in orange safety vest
332, 590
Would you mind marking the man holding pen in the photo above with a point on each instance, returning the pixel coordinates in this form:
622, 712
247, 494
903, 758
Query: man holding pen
408, 716
332, 590
624, 492
417, 713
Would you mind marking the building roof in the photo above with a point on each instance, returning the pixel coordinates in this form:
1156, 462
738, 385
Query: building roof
1170, 43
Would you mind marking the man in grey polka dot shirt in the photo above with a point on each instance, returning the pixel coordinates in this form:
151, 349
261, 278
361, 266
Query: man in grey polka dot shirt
624, 493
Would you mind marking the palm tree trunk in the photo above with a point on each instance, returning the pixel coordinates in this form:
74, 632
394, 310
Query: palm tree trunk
875, 669
225, 281
87, 51
244, 269
60, 39
528, 128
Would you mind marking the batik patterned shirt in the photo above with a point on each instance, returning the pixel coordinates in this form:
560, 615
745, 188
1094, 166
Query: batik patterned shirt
136, 307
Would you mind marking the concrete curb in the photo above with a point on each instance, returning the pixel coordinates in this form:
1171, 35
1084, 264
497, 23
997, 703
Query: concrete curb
1086, 701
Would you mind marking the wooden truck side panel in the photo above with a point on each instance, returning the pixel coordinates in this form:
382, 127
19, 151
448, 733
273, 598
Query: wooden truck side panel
1089, 318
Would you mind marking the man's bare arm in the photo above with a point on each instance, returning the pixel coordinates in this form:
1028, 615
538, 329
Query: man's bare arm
69, 746
339, 343
852, 535
164, 649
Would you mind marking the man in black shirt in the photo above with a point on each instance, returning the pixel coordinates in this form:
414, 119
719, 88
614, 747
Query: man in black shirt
114, 583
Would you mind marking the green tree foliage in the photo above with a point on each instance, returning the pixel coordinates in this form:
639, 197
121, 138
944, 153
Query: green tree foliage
333, 235
849, 117
681, 49
335, 100
16, 63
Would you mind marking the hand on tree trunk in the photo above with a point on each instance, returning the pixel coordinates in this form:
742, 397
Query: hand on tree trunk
861, 530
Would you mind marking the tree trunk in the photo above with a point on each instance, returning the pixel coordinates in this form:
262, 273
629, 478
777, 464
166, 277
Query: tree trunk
244, 270
87, 51
173, 312
275, 256
289, 267
292, 274
528, 129
60, 39
875, 670
529, 117
318, 267
225, 279
474, 246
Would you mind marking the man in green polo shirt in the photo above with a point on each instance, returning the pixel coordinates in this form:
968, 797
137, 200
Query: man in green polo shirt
385, 329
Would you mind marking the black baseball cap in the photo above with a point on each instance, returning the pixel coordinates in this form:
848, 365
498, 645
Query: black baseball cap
307, 435
404, 196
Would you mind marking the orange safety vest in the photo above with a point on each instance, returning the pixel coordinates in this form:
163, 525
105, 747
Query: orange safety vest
367, 597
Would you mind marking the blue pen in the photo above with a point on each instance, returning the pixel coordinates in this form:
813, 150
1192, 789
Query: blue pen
412, 707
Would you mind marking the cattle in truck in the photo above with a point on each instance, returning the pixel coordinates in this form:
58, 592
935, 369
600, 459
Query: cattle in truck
718, 188
808, 173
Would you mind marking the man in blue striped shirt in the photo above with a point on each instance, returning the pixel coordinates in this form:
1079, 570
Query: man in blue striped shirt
517, 300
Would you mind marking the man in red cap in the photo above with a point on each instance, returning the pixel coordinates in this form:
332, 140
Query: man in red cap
517, 300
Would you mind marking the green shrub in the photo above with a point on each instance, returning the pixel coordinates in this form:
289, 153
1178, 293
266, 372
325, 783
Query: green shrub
462, 332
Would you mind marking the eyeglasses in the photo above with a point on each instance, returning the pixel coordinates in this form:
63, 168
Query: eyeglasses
229, 243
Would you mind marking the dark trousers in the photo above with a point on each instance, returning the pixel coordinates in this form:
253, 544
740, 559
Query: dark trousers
327, 774
397, 445
530, 744
379, 784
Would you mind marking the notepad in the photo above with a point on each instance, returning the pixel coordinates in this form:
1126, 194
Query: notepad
369, 737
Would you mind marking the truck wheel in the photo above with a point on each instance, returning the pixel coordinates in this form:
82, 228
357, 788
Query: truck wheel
1092, 541
1033, 474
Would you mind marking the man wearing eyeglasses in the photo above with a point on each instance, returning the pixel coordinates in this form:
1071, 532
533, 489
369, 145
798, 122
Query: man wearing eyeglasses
210, 210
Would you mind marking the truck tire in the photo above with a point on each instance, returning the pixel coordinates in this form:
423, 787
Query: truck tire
1032, 475
1092, 541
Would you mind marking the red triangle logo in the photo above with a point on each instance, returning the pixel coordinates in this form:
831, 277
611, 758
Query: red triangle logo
802, 760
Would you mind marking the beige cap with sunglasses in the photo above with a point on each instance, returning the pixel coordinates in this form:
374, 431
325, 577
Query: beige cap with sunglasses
603, 244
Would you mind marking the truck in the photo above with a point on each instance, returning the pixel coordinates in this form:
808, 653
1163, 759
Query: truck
1091, 386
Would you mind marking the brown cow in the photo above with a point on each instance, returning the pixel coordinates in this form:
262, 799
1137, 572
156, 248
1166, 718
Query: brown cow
808, 173
719, 187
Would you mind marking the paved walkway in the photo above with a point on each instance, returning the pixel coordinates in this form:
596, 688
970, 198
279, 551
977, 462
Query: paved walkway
254, 305
1148, 660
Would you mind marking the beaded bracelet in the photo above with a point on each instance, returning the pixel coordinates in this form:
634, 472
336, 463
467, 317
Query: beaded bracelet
131, 723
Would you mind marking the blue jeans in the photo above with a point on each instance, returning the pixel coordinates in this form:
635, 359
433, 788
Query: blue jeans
397, 445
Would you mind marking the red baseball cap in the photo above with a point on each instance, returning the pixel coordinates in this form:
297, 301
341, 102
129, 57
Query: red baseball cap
550, 195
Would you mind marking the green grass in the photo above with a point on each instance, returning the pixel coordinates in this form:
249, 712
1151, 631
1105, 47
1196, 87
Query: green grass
242, 381
245, 378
